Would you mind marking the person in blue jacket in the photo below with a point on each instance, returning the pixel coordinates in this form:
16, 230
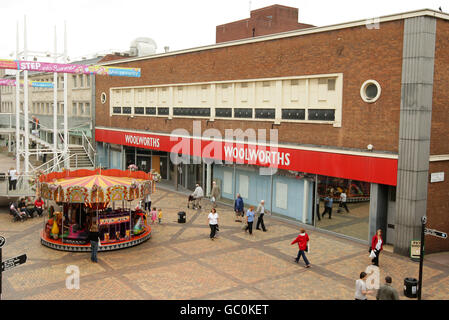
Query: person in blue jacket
238, 208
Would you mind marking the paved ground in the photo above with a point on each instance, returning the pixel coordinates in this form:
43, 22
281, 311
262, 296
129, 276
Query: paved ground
181, 262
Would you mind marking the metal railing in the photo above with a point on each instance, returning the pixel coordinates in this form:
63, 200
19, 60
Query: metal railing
90, 151
23, 187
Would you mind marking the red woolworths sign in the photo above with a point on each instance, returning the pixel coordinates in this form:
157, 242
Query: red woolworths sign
356, 167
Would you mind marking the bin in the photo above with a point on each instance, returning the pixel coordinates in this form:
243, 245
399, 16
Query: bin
411, 287
181, 217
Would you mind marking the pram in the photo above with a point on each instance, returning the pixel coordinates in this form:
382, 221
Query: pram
191, 200
17, 216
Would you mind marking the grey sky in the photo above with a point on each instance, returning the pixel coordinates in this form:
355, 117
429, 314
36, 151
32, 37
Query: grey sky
101, 25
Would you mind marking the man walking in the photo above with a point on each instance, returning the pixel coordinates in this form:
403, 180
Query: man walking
387, 292
260, 211
198, 194
214, 194
238, 208
328, 201
343, 202
12, 177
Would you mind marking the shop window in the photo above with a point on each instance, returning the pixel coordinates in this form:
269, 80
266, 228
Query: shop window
281, 195
243, 186
126, 110
162, 111
227, 182
293, 114
331, 84
139, 110
243, 113
322, 114
150, 110
265, 113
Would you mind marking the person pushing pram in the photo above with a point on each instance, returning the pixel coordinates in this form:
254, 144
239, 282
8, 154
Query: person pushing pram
196, 196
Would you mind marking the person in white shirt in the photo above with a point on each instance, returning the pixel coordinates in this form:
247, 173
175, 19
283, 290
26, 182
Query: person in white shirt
213, 222
12, 177
360, 287
198, 194
148, 202
343, 198
260, 211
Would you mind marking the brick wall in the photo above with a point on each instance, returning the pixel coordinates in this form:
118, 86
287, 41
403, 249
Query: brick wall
440, 101
268, 20
438, 208
359, 53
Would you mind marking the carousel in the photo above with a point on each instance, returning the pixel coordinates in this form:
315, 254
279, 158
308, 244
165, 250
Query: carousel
103, 197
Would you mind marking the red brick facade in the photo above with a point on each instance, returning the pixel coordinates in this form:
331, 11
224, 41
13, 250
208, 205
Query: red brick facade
265, 21
359, 53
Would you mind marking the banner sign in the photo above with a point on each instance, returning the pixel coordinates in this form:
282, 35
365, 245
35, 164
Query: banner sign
34, 84
356, 167
68, 68
115, 220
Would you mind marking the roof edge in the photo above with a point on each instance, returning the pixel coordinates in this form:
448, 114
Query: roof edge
294, 33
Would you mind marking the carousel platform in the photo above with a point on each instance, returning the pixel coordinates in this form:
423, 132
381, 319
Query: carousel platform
72, 247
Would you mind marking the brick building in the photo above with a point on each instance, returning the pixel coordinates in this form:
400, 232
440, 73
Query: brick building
262, 22
358, 107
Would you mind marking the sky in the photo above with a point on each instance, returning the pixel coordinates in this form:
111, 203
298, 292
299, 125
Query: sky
98, 26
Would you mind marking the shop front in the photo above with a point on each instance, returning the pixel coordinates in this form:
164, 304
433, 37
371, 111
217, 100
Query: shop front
296, 182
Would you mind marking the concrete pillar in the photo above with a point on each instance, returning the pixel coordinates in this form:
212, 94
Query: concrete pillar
378, 209
208, 178
414, 133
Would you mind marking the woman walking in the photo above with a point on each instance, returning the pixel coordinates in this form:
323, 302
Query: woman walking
250, 219
377, 246
213, 222
94, 237
302, 239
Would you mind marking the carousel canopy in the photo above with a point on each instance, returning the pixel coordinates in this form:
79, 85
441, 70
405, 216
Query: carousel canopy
95, 186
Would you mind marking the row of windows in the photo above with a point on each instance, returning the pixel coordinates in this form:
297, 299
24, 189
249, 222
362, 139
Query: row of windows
237, 113
78, 108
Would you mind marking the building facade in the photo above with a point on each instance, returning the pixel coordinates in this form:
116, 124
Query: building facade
80, 99
355, 107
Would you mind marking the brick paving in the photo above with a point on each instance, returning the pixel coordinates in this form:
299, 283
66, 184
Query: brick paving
181, 262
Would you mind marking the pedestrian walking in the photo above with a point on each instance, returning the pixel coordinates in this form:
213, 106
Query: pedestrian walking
260, 211
148, 202
94, 237
198, 194
328, 201
213, 222
303, 242
12, 178
215, 194
376, 246
317, 201
387, 292
238, 208
250, 219
343, 198
360, 287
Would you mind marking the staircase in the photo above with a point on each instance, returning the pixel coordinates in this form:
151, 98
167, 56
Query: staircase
79, 157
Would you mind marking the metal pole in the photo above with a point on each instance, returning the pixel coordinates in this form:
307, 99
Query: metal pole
1, 272
55, 105
25, 100
271, 191
421, 255
17, 104
66, 133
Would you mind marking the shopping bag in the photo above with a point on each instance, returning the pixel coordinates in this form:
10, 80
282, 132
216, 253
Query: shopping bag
212, 199
244, 225
308, 248
372, 254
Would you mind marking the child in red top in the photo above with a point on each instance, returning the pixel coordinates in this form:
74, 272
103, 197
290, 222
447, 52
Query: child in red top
302, 241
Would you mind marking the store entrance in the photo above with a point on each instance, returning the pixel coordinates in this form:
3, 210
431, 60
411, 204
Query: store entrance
351, 219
